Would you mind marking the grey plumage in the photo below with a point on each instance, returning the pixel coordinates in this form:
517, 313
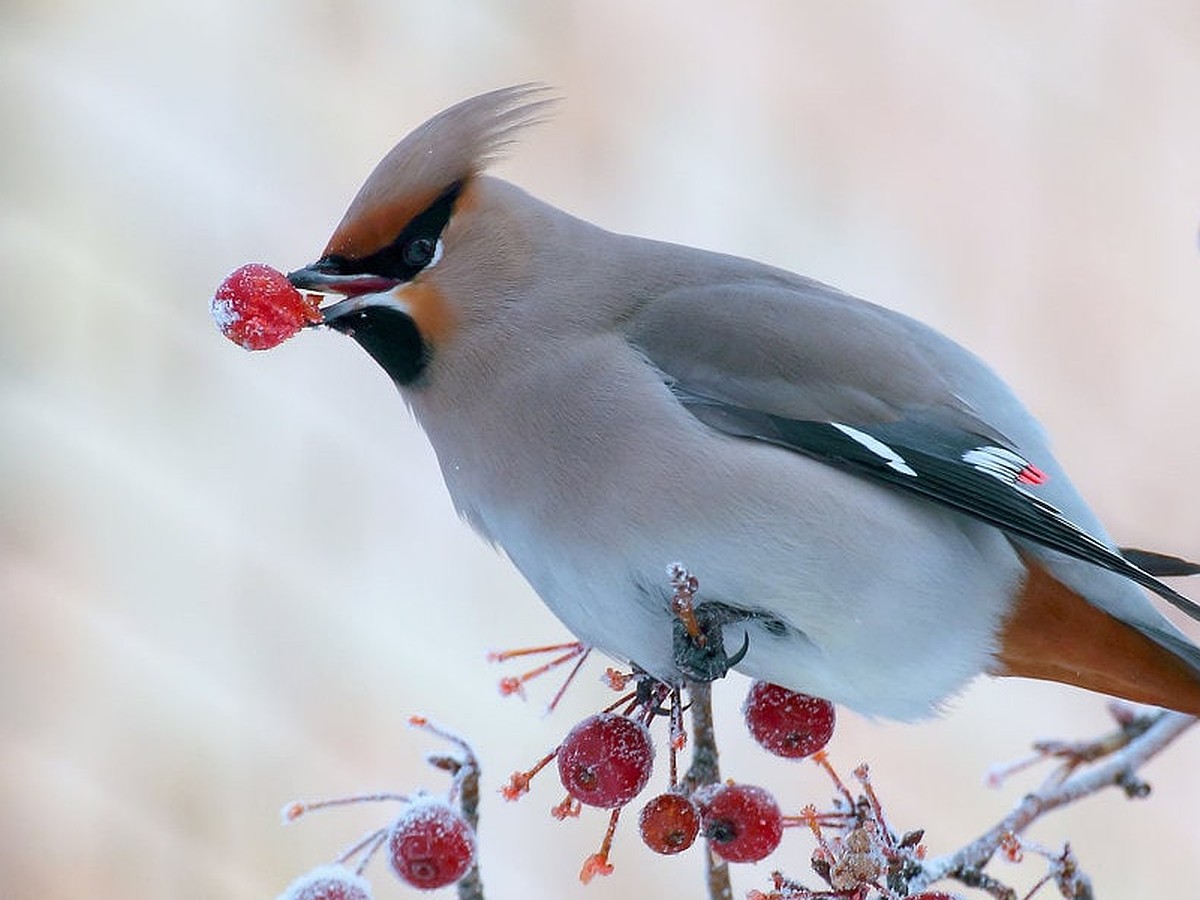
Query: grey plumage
603, 405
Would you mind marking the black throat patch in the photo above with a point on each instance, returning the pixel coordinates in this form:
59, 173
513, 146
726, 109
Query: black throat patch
390, 337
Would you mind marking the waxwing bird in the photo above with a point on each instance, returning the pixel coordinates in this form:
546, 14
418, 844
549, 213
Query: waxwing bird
873, 516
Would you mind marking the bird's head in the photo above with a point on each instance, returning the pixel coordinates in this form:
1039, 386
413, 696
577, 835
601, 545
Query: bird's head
424, 241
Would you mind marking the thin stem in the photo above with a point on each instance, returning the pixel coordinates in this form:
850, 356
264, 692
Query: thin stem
704, 770
584, 653
295, 810
502, 655
367, 845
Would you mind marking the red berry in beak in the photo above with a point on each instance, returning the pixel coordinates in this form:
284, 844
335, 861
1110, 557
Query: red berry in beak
257, 308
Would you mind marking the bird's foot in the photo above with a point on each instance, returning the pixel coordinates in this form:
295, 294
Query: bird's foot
697, 641
698, 644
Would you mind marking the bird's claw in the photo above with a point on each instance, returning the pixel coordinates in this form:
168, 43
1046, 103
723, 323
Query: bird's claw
742, 651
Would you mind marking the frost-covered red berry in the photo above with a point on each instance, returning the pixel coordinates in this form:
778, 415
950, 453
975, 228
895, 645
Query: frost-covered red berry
257, 308
431, 845
669, 823
787, 723
328, 883
741, 821
606, 760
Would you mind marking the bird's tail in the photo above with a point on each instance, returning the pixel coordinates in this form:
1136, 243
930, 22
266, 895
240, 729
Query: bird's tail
1055, 634
1160, 564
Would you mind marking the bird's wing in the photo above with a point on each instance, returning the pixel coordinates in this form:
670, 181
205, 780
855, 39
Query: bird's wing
810, 369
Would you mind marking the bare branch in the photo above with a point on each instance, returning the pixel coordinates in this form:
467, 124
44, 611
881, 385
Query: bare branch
471, 885
705, 769
1065, 785
463, 766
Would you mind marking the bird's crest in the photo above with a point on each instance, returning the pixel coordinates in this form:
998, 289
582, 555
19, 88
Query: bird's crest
454, 145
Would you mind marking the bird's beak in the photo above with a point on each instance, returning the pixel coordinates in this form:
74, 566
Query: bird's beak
313, 279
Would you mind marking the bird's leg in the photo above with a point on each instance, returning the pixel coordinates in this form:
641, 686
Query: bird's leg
683, 602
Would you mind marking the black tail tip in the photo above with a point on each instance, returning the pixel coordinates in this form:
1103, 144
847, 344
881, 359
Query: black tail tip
1161, 565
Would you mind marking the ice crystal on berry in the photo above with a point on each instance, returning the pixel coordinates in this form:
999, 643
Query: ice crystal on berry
257, 308
606, 760
431, 845
742, 822
788, 723
328, 883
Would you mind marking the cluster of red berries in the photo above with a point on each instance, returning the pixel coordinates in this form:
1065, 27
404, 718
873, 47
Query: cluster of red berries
607, 760
429, 845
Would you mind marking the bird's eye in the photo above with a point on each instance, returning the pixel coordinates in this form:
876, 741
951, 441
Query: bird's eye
416, 248
418, 252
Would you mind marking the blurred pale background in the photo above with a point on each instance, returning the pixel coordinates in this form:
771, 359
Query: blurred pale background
226, 579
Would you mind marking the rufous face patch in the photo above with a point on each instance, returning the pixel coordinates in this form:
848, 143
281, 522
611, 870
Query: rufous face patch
429, 310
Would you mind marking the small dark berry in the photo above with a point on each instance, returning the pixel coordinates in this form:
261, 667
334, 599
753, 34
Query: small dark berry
669, 823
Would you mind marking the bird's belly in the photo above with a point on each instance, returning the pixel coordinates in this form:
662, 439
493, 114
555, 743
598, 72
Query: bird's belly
857, 593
